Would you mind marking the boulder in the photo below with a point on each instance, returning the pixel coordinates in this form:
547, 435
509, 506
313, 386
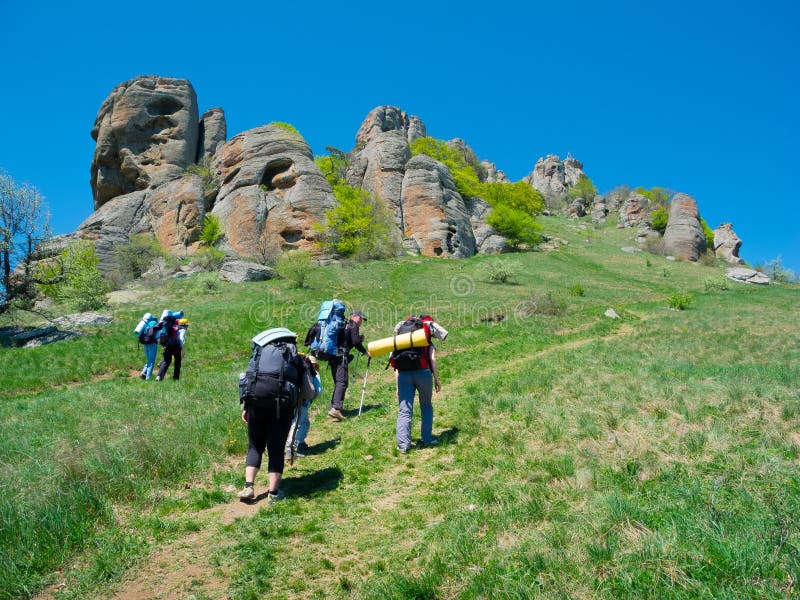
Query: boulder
599, 212
487, 239
635, 211
727, 244
684, 237
238, 271
212, 133
577, 208
434, 214
83, 319
271, 192
747, 275
146, 133
649, 240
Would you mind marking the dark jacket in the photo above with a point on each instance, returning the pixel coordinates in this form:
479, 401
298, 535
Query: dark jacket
352, 338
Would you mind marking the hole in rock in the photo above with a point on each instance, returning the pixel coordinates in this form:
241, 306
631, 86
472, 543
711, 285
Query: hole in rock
291, 235
275, 168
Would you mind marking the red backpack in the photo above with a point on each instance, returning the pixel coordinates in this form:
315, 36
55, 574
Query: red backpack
412, 359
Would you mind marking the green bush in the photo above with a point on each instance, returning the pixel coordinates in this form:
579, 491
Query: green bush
500, 271
718, 284
546, 303
679, 301
657, 195
135, 257
465, 176
708, 233
577, 290
78, 282
519, 227
359, 226
659, 219
294, 265
287, 127
333, 165
583, 188
208, 258
205, 172
212, 230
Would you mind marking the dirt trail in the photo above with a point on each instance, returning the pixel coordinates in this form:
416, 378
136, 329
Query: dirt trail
183, 567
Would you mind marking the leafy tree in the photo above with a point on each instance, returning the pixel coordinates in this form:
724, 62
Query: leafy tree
519, 196
24, 226
333, 165
359, 226
464, 175
657, 195
212, 230
583, 188
77, 279
659, 219
707, 233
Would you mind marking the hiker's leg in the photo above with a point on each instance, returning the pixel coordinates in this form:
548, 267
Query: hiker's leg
176, 352
277, 430
151, 352
304, 425
164, 364
341, 381
405, 410
424, 384
257, 438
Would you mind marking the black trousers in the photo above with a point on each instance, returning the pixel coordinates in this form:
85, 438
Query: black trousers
169, 354
340, 373
267, 430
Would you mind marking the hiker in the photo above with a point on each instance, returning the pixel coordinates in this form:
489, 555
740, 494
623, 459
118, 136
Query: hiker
339, 365
173, 339
148, 337
269, 392
296, 441
415, 372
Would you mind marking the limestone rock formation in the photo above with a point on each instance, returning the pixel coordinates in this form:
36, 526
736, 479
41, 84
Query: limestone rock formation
238, 271
487, 239
745, 275
635, 211
271, 192
684, 237
146, 133
727, 244
553, 177
212, 134
577, 208
434, 214
493, 175
599, 211
389, 118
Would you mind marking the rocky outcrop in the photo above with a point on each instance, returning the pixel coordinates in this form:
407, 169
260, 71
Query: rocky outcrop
212, 133
745, 275
434, 214
146, 133
389, 118
727, 244
493, 175
239, 271
553, 178
271, 192
577, 208
487, 240
599, 211
635, 211
684, 237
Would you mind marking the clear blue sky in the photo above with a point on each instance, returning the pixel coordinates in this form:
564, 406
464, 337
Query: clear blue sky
700, 97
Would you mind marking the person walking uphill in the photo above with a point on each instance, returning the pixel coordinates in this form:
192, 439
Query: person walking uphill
173, 338
275, 382
415, 372
339, 365
148, 337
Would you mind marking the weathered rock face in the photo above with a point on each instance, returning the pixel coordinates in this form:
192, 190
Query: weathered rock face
146, 133
684, 237
389, 118
493, 175
727, 244
553, 177
434, 214
577, 208
271, 192
176, 211
238, 271
599, 212
635, 211
487, 240
212, 133
747, 275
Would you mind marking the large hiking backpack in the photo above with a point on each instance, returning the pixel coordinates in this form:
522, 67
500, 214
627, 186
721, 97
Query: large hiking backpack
412, 358
325, 336
144, 329
275, 370
170, 336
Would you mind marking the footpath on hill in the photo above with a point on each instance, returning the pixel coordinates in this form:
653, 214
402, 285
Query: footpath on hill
188, 565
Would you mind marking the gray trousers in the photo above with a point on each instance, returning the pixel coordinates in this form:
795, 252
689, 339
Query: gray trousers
409, 382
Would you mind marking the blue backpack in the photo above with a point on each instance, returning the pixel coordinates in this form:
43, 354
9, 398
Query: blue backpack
324, 337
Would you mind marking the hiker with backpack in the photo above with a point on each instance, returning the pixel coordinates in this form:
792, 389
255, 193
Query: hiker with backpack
416, 372
270, 392
340, 364
148, 330
173, 339
296, 441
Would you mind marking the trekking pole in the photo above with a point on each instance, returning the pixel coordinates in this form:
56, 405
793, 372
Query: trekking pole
364, 387
352, 378
297, 412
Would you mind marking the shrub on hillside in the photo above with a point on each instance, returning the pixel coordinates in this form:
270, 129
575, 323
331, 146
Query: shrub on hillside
212, 230
360, 226
500, 271
333, 165
716, 284
679, 301
294, 265
286, 127
135, 257
577, 290
583, 188
546, 303
205, 172
208, 258
659, 219
709, 235
519, 227
77, 281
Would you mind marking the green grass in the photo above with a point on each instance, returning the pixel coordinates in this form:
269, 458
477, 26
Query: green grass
651, 456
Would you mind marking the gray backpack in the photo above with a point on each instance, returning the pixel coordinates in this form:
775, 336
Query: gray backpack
275, 371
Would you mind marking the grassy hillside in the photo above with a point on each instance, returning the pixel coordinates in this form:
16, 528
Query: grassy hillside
655, 455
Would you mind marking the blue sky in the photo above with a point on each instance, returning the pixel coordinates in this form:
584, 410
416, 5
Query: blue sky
698, 97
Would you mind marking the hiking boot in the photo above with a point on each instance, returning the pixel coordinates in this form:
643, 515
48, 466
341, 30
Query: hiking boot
297, 454
275, 496
302, 447
142, 376
247, 493
335, 413
431, 442
158, 378
402, 450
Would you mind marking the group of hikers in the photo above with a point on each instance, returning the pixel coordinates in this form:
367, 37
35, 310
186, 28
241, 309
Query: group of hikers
280, 383
170, 332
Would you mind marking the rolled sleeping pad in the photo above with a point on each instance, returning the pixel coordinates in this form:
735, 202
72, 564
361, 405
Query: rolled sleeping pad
143, 323
400, 341
168, 314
